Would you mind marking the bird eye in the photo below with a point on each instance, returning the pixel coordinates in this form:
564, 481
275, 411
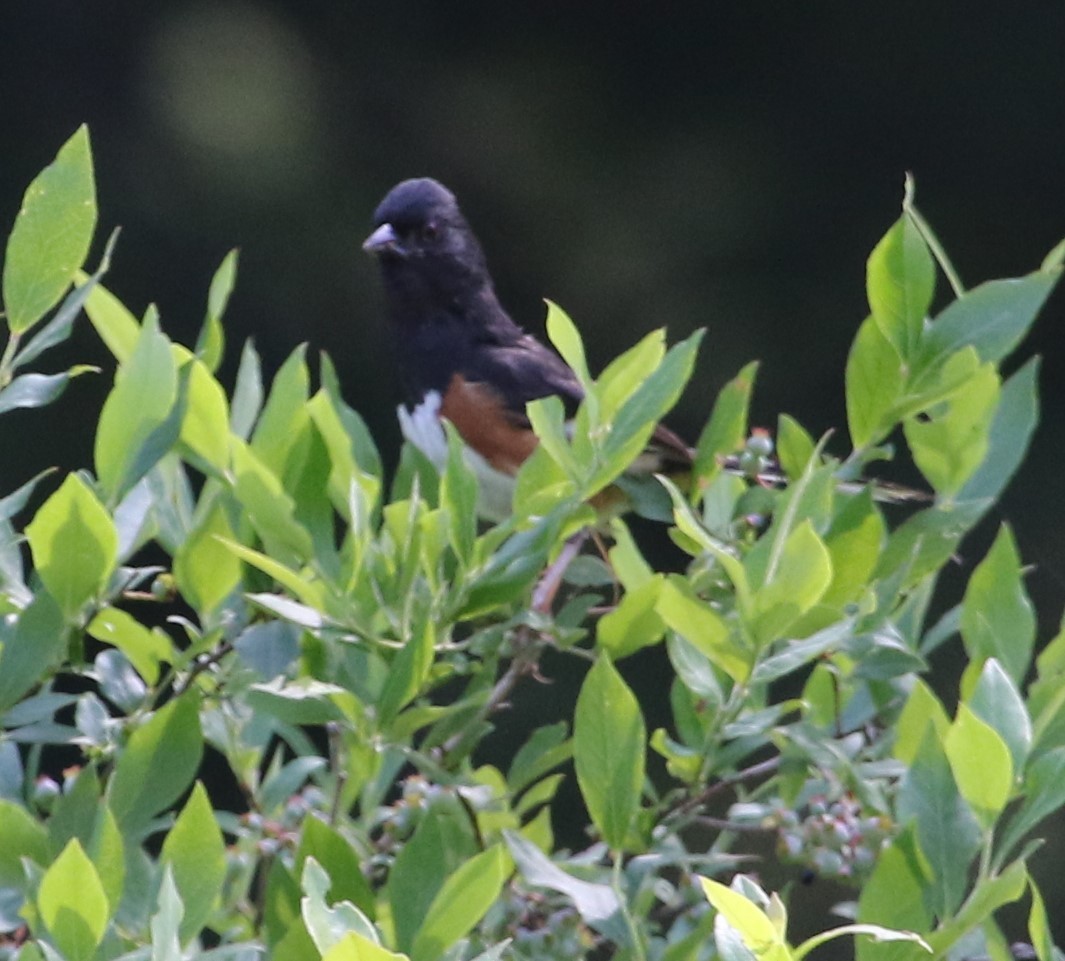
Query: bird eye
431, 231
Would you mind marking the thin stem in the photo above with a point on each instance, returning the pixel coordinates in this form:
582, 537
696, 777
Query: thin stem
929, 237
639, 952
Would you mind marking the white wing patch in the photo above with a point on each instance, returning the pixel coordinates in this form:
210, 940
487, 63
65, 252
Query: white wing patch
423, 428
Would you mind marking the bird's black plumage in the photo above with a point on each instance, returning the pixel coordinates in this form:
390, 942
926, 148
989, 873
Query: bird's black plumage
443, 308
461, 356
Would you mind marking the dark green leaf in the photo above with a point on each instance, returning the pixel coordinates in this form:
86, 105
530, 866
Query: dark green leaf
726, 429
948, 834
157, 765
997, 619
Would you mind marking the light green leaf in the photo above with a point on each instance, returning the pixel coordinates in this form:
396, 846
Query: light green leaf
145, 392
74, 545
900, 281
874, 381
354, 947
752, 924
146, 648
952, 441
205, 568
72, 903
997, 618
921, 709
563, 333
795, 584
726, 429
462, 901
609, 744
205, 428
699, 624
195, 851
51, 236
634, 623
981, 764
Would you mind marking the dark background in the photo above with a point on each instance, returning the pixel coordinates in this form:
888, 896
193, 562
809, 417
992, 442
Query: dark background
727, 165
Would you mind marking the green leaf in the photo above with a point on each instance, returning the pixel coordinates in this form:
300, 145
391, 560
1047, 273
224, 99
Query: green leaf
726, 429
408, 672
20, 837
72, 903
922, 708
205, 568
980, 761
900, 281
335, 854
997, 619
285, 413
462, 901
328, 925
947, 832
640, 413
37, 644
166, 922
247, 393
195, 851
74, 545
441, 845
51, 236
925, 541
269, 508
1039, 925
158, 764
752, 924
701, 626
115, 325
210, 345
993, 318
354, 947
1011, 431
894, 896
625, 373
793, 586
997, 701
107, 852
1044, 794
953, 439
458, 496
146, 648
597, 904
634, 623
563, 333
795, 447
145, 392
205, 428
609, 744
38, 390
874, 381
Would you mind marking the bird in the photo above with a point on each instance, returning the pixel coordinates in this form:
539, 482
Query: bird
462, 357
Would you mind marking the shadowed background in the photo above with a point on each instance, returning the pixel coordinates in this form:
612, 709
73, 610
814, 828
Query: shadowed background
726, 165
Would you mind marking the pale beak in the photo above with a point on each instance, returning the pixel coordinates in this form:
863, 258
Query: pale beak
384, 238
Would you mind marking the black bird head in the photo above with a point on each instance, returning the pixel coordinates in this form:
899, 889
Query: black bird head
430, 259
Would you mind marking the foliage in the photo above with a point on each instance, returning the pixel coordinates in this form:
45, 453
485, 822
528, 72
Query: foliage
339, 652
